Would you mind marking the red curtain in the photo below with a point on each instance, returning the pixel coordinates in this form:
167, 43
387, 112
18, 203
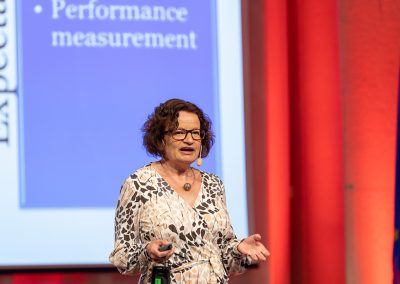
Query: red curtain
371, 45
316, 143
333, 159
298, 157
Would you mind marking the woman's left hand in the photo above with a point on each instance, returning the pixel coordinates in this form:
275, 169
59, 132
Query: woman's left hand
252, 247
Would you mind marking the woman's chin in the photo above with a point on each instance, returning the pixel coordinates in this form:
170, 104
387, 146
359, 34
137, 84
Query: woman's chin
187, 160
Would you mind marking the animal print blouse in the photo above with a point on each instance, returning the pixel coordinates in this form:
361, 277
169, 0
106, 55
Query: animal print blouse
204, 241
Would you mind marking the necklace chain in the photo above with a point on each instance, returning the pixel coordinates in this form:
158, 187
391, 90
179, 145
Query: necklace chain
187, 186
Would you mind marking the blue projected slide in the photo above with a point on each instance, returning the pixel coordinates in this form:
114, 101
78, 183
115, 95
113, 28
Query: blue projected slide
78, 79
92, 73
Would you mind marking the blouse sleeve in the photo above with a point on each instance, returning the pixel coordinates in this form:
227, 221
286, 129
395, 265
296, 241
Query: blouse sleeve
234, 262
129, 254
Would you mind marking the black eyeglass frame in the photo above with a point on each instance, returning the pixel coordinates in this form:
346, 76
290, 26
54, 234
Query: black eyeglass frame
202, 134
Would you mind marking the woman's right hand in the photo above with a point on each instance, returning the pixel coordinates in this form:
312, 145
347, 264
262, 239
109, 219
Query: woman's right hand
153, 249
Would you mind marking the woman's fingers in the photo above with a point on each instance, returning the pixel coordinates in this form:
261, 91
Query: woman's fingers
258, 256
257, 237
154, 252
256, 250
166, 255
261, 256
265, 252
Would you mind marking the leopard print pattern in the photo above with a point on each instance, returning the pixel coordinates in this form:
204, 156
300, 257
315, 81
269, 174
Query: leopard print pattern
205, 244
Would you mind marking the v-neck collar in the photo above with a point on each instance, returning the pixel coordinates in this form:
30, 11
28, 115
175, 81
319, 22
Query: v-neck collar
199, 194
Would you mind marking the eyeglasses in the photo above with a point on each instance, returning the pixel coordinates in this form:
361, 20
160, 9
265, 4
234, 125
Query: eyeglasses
180, 134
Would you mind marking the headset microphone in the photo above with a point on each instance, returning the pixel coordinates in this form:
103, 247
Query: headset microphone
200, 160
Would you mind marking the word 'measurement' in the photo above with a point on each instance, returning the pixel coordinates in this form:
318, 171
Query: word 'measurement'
183, 41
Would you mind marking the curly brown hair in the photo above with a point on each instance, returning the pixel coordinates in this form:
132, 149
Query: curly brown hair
165, 119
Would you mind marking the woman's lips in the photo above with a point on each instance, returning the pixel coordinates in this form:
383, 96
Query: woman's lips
188, 150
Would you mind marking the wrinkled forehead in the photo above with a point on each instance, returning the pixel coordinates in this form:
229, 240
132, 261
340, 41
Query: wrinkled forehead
188, 120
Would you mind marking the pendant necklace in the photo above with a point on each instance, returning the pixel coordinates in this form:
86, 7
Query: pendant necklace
188, 186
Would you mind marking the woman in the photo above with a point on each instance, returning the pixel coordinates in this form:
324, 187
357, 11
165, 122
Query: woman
170, 202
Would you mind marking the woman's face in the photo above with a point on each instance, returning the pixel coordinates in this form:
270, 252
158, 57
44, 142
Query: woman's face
186, 150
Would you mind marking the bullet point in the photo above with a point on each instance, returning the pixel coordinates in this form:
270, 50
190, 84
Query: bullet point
38, 9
